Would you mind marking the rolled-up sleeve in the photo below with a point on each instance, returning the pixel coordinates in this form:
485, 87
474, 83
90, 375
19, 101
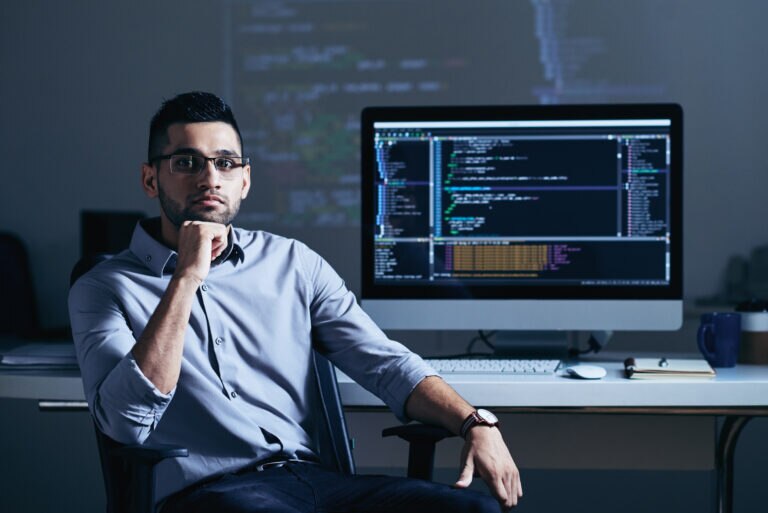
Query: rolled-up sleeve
124, 403
344, 333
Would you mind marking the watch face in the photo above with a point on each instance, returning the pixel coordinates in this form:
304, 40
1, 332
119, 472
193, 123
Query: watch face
487, 416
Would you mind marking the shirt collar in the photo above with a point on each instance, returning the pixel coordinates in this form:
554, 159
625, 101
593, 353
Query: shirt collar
159, 258
233, 250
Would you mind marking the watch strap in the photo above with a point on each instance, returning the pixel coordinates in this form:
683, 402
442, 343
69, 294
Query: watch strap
471, 420
474, 419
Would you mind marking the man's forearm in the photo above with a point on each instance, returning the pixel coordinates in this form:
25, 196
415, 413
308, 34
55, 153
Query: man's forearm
433, 401
159, 349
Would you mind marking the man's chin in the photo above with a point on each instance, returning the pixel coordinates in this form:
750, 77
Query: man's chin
208, 217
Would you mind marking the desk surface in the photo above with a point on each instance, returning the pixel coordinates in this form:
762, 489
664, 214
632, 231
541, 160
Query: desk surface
741, 386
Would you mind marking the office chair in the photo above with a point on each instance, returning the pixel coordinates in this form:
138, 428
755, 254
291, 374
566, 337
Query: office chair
129, 470
18, 308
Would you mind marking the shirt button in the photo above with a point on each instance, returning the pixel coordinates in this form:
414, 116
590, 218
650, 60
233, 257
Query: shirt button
233, 394
218, 341
204, 287
148, 258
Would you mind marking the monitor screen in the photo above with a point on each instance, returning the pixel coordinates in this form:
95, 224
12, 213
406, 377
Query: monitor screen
523, 217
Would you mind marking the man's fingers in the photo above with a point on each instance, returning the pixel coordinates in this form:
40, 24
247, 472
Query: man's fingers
500, 491
217, 247
465, 478
220, 239
514, 487
509, 488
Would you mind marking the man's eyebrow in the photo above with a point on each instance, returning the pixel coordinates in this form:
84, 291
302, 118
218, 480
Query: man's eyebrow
196, 151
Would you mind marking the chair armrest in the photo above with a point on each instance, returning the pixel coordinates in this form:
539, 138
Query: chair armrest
418, 432
421, 440
136, 491
150, 454
129, 472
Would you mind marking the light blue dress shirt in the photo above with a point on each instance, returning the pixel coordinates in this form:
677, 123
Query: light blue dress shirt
242, 395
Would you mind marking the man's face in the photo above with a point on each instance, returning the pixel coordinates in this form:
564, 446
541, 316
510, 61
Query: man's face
205, 196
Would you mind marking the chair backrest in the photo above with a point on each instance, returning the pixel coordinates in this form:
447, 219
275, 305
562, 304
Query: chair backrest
18, 308
85, 264
334, 443
115, 471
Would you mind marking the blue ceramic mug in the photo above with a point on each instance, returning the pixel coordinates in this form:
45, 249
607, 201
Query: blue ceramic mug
718, 338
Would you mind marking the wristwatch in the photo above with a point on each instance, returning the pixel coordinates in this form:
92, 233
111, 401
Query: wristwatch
480, 416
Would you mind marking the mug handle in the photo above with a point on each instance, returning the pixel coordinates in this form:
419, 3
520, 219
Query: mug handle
704, 334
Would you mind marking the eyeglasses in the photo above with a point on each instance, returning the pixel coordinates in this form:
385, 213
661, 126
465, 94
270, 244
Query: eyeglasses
189, 165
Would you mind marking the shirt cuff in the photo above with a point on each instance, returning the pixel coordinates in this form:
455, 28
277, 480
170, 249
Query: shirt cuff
133, 400
399, 380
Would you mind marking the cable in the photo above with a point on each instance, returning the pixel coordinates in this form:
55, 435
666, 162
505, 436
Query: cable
596, 342
484, 337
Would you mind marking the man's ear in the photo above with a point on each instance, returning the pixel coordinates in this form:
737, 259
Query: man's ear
149, 180
246, 182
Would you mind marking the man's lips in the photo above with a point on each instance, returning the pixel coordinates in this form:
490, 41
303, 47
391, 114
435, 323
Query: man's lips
208, 200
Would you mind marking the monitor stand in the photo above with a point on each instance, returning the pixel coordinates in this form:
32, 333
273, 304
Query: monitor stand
552, 345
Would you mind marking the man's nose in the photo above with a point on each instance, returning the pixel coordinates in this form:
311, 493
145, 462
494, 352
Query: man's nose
209, 177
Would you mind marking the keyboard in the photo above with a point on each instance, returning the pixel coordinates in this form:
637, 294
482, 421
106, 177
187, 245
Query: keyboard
493, 366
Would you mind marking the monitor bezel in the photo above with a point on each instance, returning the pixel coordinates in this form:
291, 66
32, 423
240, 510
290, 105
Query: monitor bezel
370, 115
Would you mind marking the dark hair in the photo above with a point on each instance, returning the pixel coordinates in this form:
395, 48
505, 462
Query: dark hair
194, 107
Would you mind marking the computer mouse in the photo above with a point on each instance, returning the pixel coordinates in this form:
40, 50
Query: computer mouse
586, 371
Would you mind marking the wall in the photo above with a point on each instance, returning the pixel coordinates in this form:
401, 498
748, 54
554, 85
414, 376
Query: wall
81, 80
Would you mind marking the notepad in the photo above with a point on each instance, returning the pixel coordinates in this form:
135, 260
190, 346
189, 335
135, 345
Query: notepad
651, 368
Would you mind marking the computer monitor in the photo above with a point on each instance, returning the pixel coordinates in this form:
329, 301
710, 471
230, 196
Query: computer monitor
523, 217
106, 231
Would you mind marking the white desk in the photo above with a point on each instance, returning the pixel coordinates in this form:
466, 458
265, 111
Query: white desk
745, 386
738, 394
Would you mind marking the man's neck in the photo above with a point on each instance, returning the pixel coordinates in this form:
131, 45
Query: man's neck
169, 234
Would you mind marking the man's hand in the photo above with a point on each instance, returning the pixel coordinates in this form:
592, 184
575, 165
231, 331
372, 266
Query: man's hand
486, 454
200, 243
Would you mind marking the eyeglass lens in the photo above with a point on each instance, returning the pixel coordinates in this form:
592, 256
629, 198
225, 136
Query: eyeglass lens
194, 164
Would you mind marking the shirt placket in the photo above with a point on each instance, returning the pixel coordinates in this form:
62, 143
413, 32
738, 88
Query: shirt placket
218, 342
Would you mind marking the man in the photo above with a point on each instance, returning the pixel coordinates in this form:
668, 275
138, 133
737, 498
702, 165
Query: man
201, 334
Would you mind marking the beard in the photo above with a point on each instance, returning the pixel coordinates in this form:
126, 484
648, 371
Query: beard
178, 213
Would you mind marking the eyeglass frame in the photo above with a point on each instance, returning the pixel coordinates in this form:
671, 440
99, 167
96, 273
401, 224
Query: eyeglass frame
245, 162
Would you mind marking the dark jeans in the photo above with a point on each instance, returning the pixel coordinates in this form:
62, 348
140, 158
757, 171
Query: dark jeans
307, 487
